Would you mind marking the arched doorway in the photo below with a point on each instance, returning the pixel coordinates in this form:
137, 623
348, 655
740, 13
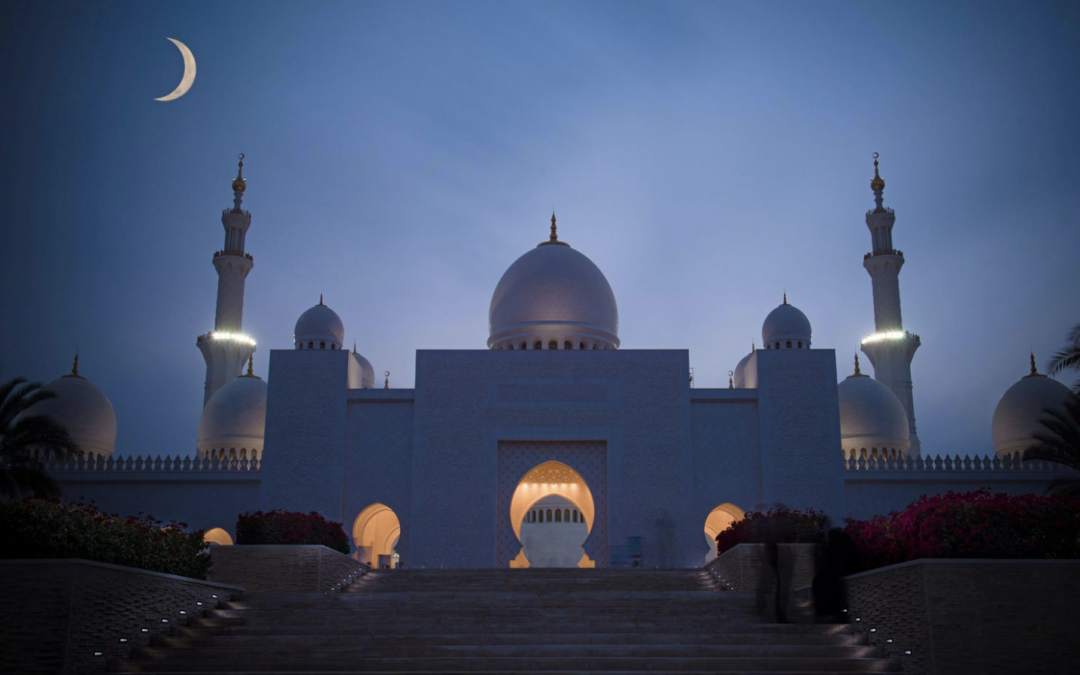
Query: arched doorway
718, 520
218, 537
375, 534
552, 512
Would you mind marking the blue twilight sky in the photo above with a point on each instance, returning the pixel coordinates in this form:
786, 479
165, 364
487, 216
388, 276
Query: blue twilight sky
401, 155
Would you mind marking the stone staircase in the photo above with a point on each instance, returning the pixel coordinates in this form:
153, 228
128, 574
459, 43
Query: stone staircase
507, 621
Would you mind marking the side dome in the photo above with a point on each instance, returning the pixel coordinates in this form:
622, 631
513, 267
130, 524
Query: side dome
319, 328
786, 327
1018, 415
739, 379
873, 422
367, 372
83, 409
233, 423
553, 298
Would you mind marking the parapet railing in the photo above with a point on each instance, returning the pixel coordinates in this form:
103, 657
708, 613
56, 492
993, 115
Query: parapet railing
102, 464
1011, 463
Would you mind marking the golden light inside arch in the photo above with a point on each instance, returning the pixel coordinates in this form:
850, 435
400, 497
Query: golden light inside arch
218, 536
551, 478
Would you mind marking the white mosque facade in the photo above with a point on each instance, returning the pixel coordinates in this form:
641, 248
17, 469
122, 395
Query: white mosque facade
555, 446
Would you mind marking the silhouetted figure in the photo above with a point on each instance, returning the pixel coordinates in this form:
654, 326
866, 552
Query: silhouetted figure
841, 559
775, 584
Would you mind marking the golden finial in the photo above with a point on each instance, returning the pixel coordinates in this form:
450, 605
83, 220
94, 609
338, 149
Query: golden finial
753, 347
75, 368
239, 184
730, 382
554, 238
320, 298
354, 346
785, 297
857, 371
386, 382
1034, 370
878, 184
251, 369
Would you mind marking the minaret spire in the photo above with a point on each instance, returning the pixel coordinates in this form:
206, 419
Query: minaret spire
891, 348
226, 348
239, 185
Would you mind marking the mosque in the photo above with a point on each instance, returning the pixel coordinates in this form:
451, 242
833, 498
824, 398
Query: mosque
553, 446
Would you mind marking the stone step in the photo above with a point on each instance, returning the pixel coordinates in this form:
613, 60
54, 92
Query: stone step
532, 664
307, 652
199, 626
508, 672
569, 599
198, 640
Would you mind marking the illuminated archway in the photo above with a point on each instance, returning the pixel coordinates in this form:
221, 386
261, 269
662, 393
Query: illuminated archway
218, 537
718, 520
375, 534
545, 483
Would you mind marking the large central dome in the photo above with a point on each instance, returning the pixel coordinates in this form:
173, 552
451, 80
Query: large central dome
553, 298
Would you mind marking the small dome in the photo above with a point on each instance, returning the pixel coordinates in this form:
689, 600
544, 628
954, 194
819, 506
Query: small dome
871, 417
84, 410
786, 324
319, 328
233, 423
1018, 415
740, 372
553, 294
367, 371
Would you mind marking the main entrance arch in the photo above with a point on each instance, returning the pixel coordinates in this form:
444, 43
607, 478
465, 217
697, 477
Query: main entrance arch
552, 512
516, 459
375, 534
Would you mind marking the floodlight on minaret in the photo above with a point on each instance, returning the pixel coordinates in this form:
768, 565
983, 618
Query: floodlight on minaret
891, 348
227, 348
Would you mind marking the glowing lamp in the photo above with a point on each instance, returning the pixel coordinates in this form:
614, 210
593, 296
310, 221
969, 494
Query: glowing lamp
887, 335
233, 337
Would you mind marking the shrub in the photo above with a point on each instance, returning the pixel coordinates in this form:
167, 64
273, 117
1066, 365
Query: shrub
290, 527
970, 525
782, 526
40, 528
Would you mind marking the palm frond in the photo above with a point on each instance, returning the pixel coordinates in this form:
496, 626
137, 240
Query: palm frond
1059, 441
1074, 334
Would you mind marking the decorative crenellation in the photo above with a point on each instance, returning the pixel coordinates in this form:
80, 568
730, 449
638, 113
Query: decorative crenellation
126, 464
955, 463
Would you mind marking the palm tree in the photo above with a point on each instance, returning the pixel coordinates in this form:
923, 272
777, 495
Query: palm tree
1060, 442
22, 438
1069, 357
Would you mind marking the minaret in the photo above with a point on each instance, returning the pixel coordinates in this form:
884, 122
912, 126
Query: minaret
890, 348
227, 348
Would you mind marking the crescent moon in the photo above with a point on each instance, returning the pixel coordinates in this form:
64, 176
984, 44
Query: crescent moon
189, 72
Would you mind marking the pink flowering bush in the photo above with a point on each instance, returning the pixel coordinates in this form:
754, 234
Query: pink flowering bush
41, 528
783, 526
970, 525
290, 527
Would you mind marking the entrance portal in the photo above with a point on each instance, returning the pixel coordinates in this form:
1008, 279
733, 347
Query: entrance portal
375, 533
572, 471
552, 512
720, 519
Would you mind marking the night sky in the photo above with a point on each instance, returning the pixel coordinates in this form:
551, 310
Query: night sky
706, 156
